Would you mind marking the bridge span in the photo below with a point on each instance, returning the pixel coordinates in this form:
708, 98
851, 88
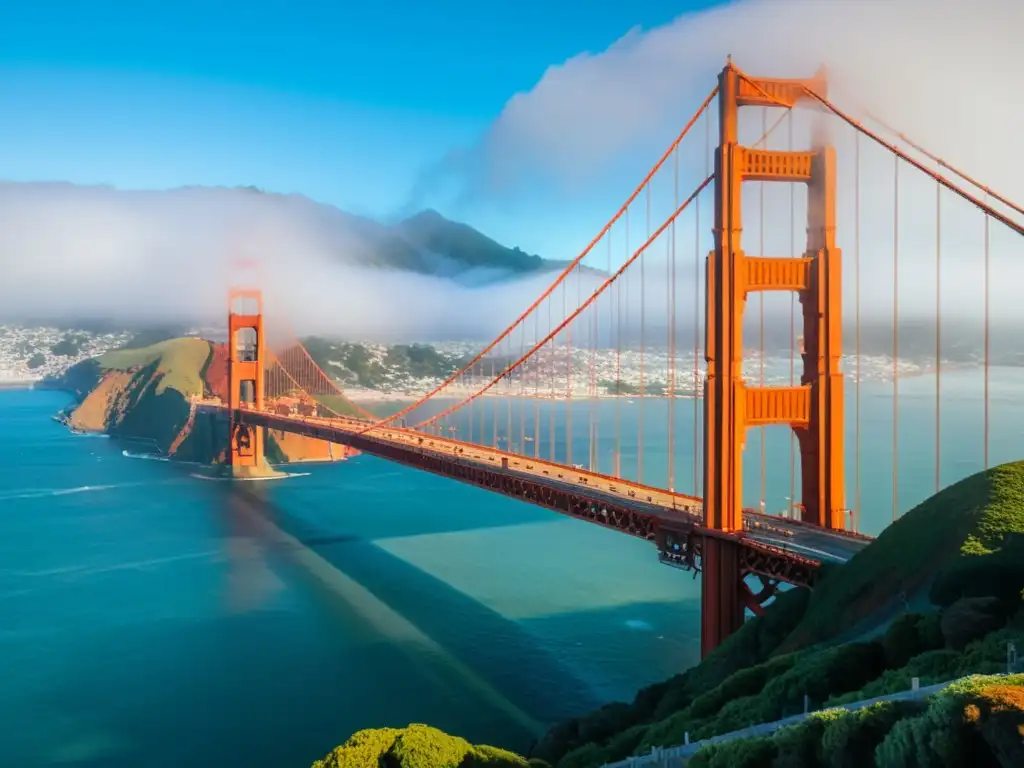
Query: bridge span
578, 339
773, 547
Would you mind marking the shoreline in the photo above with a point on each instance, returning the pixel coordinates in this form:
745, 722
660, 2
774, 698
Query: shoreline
20, 384
359, 395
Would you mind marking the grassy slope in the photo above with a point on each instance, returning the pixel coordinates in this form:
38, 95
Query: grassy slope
179, 361
969, 517
341, 405
957, 540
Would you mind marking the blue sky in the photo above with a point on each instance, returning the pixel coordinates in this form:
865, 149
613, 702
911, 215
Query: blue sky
344, 102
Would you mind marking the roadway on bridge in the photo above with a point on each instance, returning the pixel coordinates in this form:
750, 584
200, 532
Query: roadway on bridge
798, 538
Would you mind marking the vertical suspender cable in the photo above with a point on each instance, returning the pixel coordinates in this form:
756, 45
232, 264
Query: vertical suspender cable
987, 333
938, 336
792, 325
895, 337
672, 331
618, 364
856, 288
760, 306
568, 375
643, 294
551, 368
536, 387
697, 436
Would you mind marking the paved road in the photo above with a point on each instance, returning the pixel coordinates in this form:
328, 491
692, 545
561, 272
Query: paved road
671, 757
808, 541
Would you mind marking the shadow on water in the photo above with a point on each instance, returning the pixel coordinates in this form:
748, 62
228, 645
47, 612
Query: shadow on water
493, 646
397, 501
363, 639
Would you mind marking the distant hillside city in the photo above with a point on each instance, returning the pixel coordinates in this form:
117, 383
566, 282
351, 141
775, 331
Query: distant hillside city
428, 243
368, 369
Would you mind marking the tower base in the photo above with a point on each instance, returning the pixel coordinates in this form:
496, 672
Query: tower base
262, 471
722, 604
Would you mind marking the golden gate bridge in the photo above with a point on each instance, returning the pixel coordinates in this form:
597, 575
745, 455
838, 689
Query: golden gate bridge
506, 420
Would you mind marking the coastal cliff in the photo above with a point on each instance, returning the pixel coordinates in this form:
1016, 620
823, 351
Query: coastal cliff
144, 395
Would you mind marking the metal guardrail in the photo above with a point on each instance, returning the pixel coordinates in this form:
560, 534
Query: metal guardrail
677, 756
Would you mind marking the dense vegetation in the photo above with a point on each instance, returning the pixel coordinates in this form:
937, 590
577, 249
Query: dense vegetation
958, 558
70, 345
417, 746
976, 721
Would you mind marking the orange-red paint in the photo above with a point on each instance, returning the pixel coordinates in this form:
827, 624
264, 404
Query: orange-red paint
814, 409
246, 360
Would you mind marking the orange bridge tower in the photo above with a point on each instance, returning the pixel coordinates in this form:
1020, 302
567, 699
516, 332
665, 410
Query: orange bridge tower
246, 361
814, 409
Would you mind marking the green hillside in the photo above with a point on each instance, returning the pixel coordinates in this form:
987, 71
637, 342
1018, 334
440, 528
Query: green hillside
958, 558
970, 518
429, 230
180, 363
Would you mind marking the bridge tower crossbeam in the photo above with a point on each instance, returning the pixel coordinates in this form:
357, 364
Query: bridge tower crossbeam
814, 409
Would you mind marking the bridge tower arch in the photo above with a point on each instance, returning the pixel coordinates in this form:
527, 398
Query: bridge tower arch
814, 409
246, 362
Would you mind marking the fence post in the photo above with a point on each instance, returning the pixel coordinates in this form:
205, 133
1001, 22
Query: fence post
807, 703
686, 738
915, 683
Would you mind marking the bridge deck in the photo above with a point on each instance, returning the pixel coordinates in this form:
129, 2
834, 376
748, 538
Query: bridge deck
774, 547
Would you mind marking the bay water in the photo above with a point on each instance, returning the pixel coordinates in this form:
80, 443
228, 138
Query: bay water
151, 616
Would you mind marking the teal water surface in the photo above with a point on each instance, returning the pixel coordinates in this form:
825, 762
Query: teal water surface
148, 616
147, 619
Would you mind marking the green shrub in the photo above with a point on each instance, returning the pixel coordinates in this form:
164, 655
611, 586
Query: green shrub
647, 699
987, 655
798, 746
738, 753
605, 722
363, 748
930, 668
820, 675
746, 682
485, 756
583, 757
624, 744
970, 618
850, 741
941, 735
910, 635
418, 746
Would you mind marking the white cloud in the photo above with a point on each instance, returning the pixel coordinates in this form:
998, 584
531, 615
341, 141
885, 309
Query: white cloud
91, 252
945, 72
933, 66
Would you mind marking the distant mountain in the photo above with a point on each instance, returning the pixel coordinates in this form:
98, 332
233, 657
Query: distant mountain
448, 249
206, 218
426, 243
